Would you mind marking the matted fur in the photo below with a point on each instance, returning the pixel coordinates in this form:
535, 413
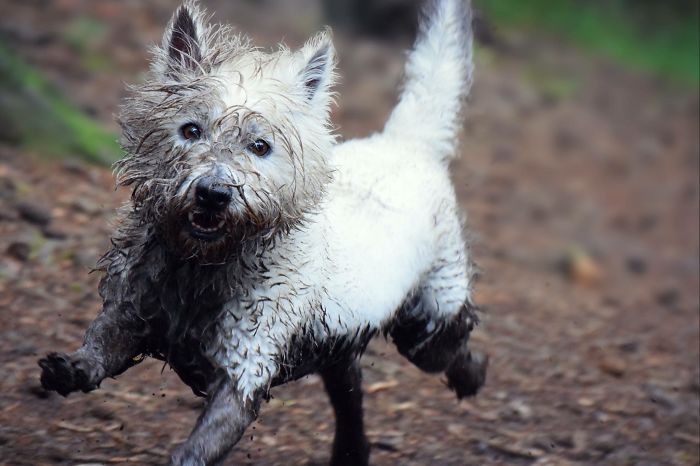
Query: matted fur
198, 88
321, 247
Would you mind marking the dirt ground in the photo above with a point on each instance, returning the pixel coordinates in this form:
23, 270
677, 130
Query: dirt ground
581, 185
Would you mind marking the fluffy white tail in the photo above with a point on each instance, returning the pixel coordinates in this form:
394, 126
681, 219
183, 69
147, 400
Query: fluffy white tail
438, 78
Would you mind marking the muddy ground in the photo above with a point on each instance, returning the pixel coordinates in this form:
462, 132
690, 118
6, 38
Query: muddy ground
580, 180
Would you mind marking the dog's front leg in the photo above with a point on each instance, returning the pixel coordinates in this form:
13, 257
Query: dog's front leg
111, 343
223, 422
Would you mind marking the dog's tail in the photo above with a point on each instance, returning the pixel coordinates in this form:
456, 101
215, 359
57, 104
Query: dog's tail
438, 77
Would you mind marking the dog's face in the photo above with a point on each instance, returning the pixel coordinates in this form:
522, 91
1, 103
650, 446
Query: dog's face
226, 143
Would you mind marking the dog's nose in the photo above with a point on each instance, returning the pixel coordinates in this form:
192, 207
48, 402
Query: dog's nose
211, 194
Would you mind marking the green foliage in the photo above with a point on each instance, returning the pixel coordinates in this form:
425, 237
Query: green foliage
654, 36
551, 85
35, 116
82, 32
84, 35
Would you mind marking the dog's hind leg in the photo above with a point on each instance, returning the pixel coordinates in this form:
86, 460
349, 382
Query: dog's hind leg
343, 384
432, 329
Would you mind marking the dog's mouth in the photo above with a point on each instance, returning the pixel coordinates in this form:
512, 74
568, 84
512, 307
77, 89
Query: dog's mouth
206, 226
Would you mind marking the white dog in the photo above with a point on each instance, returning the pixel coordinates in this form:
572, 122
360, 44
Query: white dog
256, 251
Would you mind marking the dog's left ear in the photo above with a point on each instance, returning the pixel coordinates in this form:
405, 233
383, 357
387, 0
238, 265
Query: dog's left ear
317, 74
183, 42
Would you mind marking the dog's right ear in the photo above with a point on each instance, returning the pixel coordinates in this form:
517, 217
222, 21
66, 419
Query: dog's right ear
316, 63
183, 43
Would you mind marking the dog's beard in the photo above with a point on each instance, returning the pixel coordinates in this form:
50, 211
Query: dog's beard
232, 236
251, 223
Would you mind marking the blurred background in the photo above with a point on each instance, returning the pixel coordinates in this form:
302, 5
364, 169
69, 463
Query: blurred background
579, 172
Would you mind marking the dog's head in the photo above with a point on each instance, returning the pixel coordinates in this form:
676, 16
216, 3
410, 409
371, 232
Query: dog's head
225, 143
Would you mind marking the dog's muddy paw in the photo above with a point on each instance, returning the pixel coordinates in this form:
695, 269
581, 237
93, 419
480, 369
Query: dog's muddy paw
347, 452
62, 374
182, 457
467, 375
350, 459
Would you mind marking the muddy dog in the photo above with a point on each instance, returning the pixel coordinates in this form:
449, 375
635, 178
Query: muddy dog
255, 250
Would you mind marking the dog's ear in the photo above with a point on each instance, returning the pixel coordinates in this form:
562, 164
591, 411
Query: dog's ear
183, 42
317, 73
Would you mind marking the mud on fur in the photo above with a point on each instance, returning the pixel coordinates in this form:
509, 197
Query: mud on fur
255, 250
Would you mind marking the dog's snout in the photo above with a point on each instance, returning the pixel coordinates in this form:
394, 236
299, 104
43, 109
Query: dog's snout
211, 194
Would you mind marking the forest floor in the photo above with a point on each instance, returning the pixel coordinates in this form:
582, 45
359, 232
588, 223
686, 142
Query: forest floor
580, 181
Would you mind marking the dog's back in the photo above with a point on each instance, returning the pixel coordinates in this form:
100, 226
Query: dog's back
395, 221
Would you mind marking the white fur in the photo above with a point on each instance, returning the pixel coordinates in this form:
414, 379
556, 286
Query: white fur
388, 225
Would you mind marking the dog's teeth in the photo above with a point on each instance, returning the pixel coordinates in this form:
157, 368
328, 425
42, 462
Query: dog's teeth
211, 229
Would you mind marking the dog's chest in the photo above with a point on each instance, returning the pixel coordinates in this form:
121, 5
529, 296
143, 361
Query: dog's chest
254, 334
282, 333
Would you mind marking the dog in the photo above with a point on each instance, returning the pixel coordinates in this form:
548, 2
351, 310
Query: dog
256, 250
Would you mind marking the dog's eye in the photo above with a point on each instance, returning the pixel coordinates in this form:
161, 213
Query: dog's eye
259, 147
191, 131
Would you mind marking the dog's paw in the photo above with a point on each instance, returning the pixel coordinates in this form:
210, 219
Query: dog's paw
183, 457
63, 374
466, 375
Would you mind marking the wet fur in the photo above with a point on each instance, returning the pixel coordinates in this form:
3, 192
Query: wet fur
291, 288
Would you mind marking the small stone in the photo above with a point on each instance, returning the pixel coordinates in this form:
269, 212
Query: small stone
101, 412
669, 298
38, 391
580, 268
553, 461
458, 430
87, 206
544, 443
10, 270
612, 365
8, 188
75, 166
636, 265
521, 409
381, 386
53, 232
631, 346
20, 250
7, 215
647, 223
34, 213
387, 444
562, 439
604, 443
585, 402
566, 138
659, 396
